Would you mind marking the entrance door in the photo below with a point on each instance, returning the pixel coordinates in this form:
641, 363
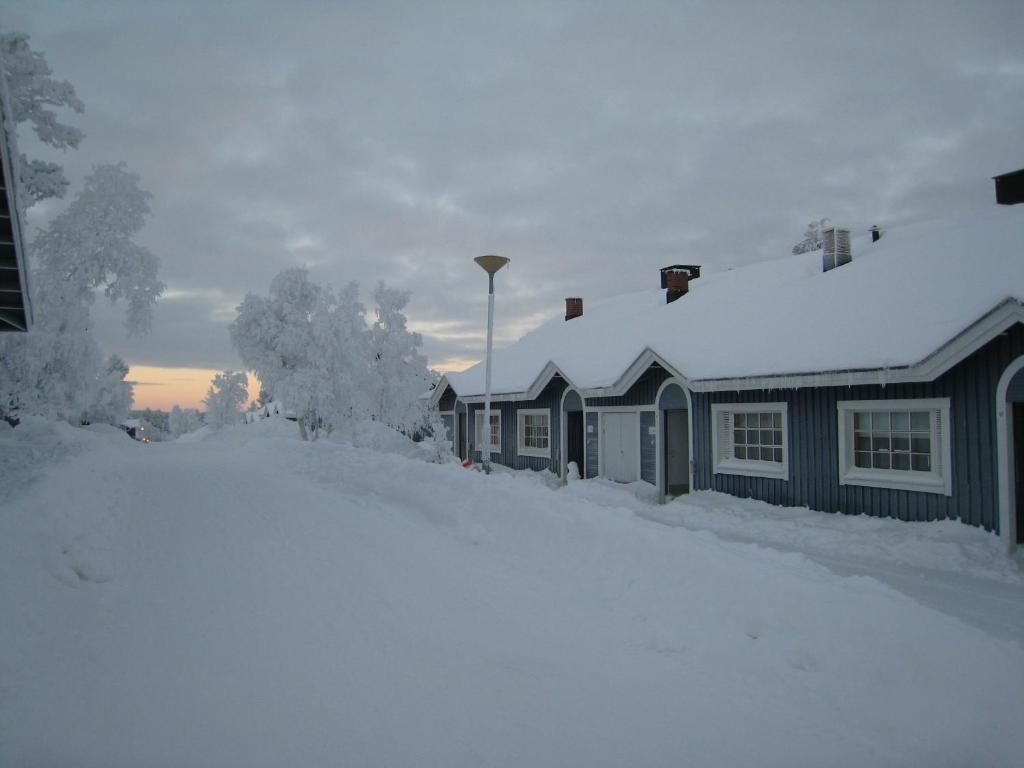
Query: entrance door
677, 452
1018, 468
574, 439
462, 435
621, 436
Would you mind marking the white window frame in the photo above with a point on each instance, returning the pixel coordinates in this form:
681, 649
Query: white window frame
724, 462
938, 480
521, 448
478, 421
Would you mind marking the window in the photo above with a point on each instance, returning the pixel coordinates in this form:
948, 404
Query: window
495, 430
751, 439
534, 432
901, 444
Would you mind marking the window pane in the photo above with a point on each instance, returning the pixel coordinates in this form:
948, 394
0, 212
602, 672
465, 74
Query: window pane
777, 420
776, 437
879, 443
766, 421
862, 421
920, 420
901, 420
921, 444
740, 420
880, 420
862, 443
739, 436
777, 455
862, 459
880, 460
901, 461
766, 437
900, 443
766, 454
752, 437
740, 452
921, 463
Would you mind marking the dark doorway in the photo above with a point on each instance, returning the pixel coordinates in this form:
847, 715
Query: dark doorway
574, 439
462, 435
1018, 466
677, 452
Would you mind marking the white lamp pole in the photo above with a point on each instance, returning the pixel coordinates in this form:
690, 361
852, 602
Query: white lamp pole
490, 265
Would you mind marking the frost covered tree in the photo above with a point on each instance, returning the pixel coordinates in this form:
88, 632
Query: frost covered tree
307, 345
86, 248
399, 374
812, 237
181, 421
225, 398
112, 398
34, 93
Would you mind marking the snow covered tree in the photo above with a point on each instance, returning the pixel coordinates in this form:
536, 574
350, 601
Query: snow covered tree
812, 237
89, 246
112, 396
225, 398
307, 345
399, 374
181, 421
33, 93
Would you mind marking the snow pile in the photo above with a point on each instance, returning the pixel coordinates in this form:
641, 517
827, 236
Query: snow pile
772, 311
257, 600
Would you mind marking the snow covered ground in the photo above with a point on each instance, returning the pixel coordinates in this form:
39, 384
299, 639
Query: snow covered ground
247, 599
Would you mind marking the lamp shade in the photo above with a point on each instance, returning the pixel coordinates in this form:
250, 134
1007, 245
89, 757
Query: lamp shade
491, 264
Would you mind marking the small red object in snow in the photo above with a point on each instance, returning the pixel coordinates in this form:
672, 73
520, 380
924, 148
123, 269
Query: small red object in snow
467, 463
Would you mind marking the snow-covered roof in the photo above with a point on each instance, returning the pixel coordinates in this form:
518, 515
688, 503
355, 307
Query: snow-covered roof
896, 305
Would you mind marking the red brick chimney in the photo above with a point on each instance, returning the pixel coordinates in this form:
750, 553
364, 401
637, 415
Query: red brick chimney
678, 284
573, 307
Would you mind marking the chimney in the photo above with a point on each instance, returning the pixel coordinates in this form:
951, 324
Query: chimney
678, 283
835, 248
573, 307
876, 233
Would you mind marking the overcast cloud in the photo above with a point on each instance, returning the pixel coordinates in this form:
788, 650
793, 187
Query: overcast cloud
590, 142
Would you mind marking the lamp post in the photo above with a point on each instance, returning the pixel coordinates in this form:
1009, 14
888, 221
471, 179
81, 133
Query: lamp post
490, 264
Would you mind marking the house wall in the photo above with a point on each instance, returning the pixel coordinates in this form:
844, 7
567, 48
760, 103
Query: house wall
593, 444
447, 401
550, 398
813, 444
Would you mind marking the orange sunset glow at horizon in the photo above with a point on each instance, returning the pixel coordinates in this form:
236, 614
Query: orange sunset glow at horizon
162, 388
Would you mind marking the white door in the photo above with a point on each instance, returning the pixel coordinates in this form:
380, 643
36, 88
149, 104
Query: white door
621, 438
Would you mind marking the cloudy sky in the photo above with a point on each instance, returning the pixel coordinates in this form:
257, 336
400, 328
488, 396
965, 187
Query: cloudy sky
590, 142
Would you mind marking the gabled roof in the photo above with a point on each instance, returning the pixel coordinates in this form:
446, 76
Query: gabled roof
906, 308
15, 308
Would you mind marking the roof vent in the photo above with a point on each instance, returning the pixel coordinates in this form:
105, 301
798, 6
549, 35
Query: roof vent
573, 307
876, 233
835, 248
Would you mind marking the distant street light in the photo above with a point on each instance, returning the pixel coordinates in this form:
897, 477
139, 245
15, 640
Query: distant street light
490, 264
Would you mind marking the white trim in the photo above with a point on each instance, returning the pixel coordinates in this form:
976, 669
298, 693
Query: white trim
659, 446
1005, 459
563, 437
749, 467
479, 417
936, 481
522, 450
629, 377
438, 392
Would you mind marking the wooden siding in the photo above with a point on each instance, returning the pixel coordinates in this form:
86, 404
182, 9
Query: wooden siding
447, 401
643, 391
549, 399
593, 429
813, 449
648, 448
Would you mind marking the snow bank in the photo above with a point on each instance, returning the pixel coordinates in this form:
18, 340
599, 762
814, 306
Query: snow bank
258, 600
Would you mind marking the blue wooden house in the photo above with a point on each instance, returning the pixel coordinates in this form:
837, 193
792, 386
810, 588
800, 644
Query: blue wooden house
881, 375
15, 308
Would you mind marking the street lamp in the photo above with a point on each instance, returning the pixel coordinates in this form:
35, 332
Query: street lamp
490, 264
